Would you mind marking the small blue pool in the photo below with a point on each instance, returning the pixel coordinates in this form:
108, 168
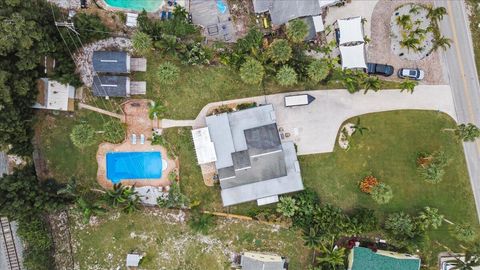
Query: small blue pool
133, 165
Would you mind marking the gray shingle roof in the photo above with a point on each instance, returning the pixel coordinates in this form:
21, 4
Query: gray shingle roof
111, 62
263, 139
112, 86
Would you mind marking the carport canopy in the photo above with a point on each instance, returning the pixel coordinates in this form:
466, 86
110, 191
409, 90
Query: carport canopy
351, 30
353, 56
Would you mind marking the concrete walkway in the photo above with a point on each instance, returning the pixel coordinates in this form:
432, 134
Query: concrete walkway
169, 123
314, 128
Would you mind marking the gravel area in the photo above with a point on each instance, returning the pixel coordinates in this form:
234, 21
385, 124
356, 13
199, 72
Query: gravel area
379, 49
66, 4
83, 58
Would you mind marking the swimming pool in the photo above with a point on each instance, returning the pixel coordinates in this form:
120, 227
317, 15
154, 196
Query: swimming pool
133, 165
139, 5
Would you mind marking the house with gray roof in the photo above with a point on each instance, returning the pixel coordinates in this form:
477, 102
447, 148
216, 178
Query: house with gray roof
282, 11
252, 162
262, 261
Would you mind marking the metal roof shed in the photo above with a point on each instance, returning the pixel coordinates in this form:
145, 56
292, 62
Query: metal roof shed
111, 62
204, 147
111, 86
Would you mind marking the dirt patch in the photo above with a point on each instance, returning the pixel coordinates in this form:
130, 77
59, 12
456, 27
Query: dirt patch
379, 49
241, 12
39, 160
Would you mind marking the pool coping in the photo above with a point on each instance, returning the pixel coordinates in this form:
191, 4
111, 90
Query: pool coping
107, 7
127, 146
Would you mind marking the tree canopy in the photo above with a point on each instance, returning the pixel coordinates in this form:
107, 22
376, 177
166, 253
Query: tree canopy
252, 71
279, 51
297, 30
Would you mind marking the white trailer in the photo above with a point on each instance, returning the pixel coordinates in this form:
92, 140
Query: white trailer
298, 100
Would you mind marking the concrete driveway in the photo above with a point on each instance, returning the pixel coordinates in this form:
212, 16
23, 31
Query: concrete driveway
314, 127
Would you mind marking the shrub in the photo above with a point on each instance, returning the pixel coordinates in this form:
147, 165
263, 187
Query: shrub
279, 51
287, 206
432, 166
114, 131
464, 232
243, 106
195, 54
318, 70
141, 42
174, 199
82, 135
286, 76
368, 183
363, 220
381, 193
168, 73
252, 71
429, 217
400, 225
200, 222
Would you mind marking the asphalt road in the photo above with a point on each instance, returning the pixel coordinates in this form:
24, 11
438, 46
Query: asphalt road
459, 61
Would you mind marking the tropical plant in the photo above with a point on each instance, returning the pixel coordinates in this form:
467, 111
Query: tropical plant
467, 132
400, 225
436, 14
415, 9
286, 76
404, 21
120, 195
371, 82
363, 220
174, 199
297, 30
155, 110
318, 70
279, 51
142, 43
307, 202
358, 128
331, 221
287, 206
312, 239
429, 217
88, 209
381, 193
368, 183
168, 73
82, 135
200, 222
70, 189
441, 42
464, 232
331, 257
351, 80
195, 54
114, 131
132, 204
252, 71
410, 42
469, 262
169, 44
432, 166
408, 85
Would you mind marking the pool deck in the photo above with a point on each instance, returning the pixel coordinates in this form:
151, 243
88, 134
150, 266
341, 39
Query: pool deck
136, 118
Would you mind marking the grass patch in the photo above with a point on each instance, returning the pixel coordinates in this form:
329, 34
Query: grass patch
170, 244
474, 22
388, 151
64, 160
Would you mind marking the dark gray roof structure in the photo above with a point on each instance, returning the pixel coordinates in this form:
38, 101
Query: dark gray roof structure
282, 11
111, 86
250, 153
111, 62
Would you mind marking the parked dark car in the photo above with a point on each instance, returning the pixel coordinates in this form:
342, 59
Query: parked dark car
412, 73
379, 69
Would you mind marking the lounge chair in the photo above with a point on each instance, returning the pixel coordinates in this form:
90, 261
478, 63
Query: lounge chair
169, 15
142, 139
164, 15
134, 138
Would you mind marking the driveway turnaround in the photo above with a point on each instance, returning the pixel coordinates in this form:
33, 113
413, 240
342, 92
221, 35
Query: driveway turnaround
314, 127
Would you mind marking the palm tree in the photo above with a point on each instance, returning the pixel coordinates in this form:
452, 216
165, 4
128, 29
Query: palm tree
441, 42
116, 196
155, 110
332, 257
88, 209
470, 262
408, 85
358, 127
169, 44
414, 9
436, 14
405, 21
371, 82
312, 239
468, 132
133, 204
411, 42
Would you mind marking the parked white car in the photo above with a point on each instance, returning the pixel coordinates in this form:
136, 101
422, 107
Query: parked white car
412, 73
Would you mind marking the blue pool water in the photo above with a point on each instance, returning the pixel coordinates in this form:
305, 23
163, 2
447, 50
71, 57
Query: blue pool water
139, 5
133, 165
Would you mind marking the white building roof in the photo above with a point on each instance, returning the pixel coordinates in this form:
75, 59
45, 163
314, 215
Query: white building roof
133, 260
131, 20
351, 30
318, 23
353, 56
204, 146
57, 95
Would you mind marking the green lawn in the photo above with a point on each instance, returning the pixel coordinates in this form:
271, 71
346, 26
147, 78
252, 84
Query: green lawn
64, 160
388, 151
474, 21
170, 244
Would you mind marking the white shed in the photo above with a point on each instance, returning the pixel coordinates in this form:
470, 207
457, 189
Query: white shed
204, 147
